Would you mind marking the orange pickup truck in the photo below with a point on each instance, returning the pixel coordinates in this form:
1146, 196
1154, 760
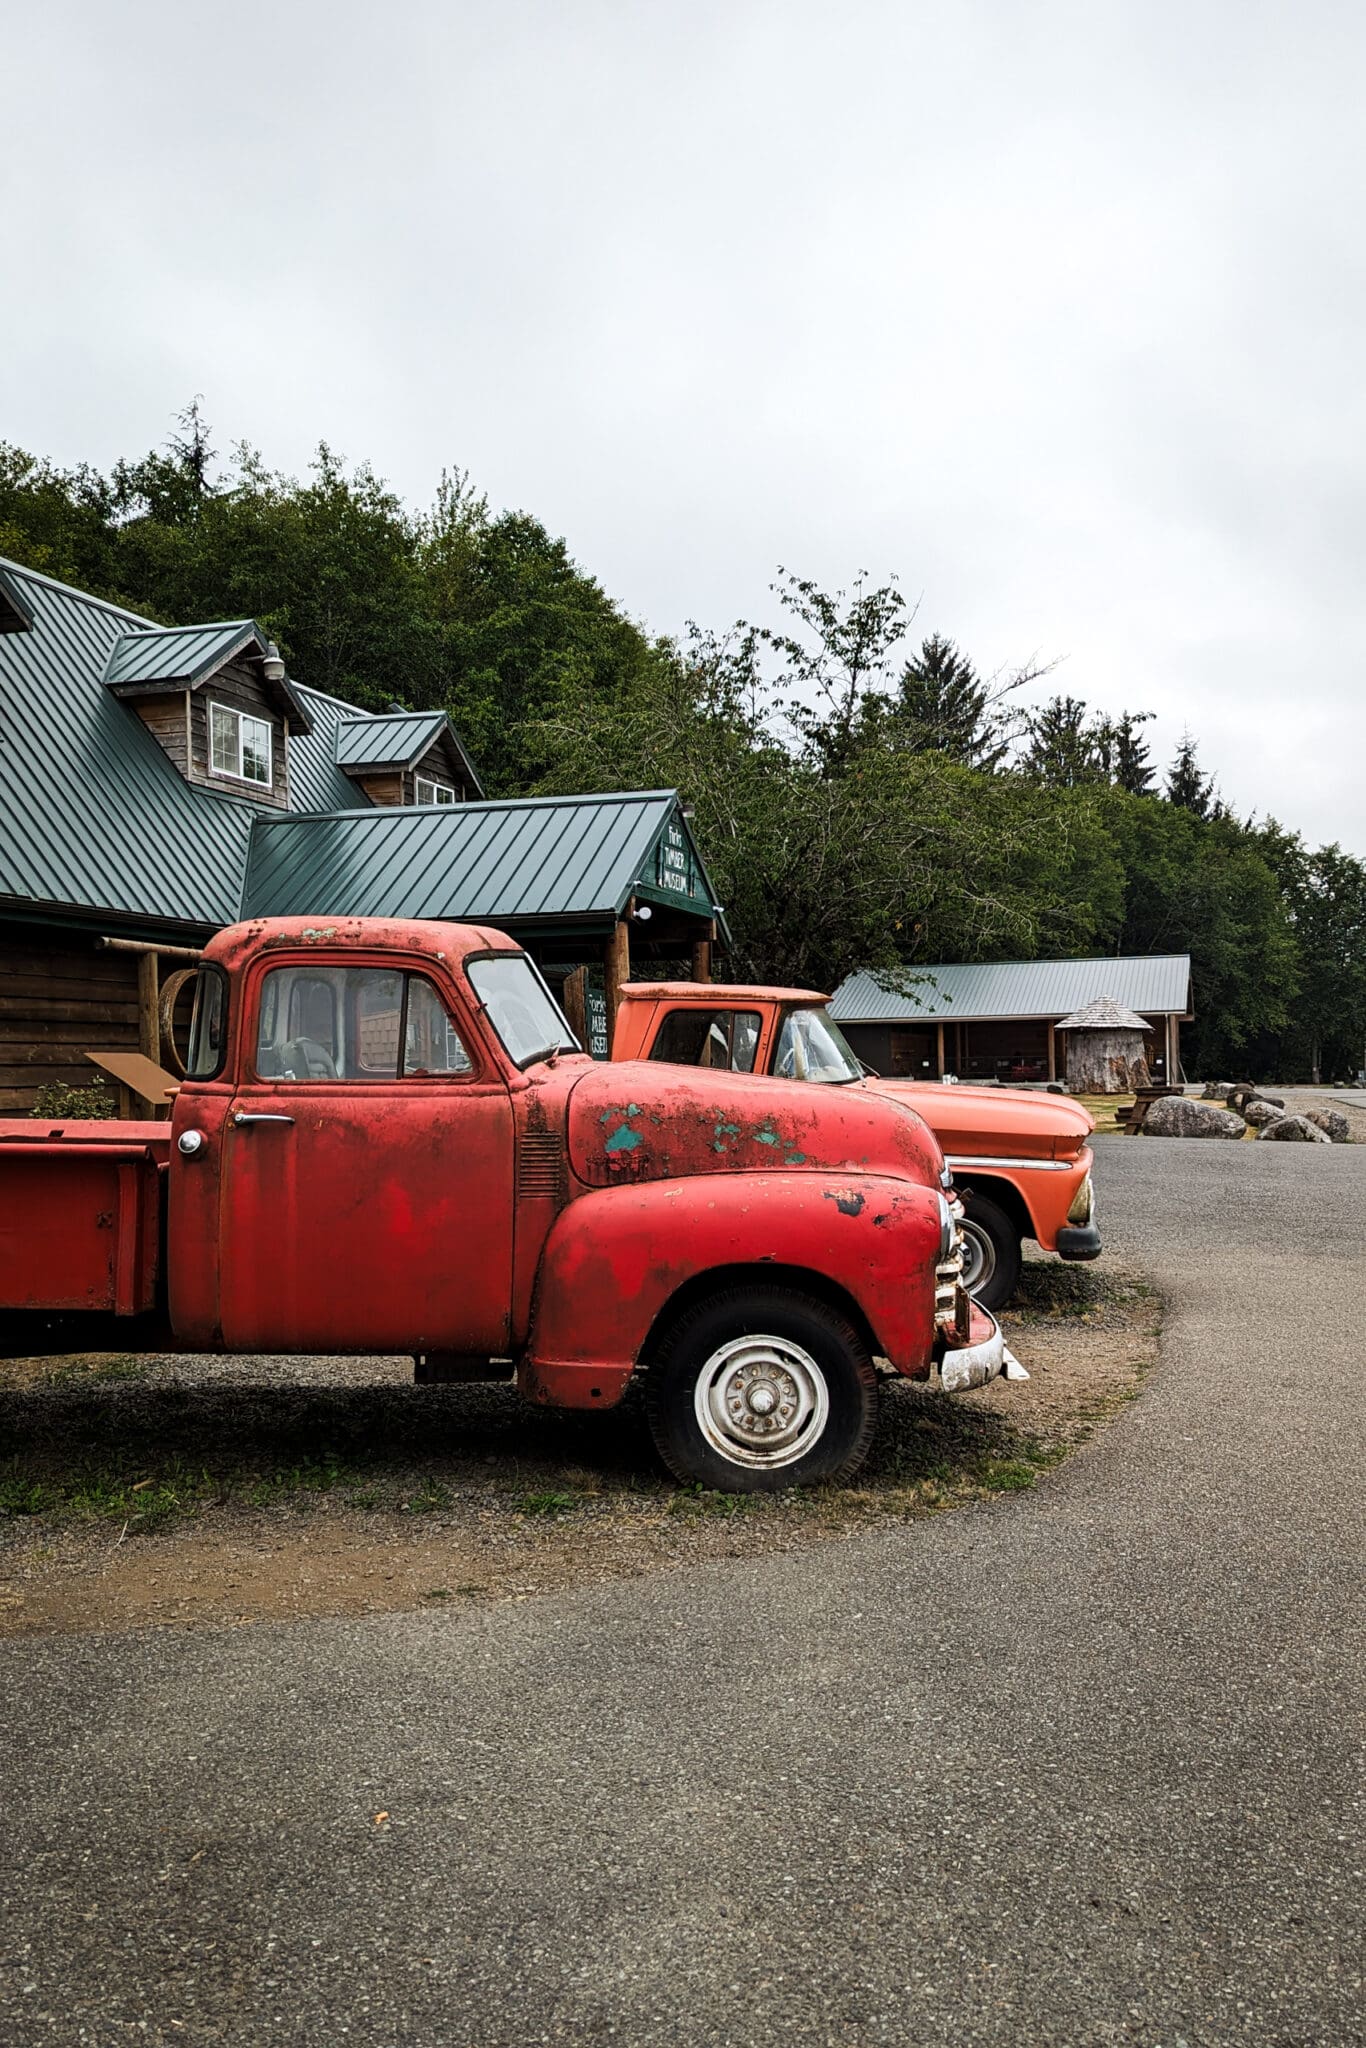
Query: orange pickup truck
1021, 1161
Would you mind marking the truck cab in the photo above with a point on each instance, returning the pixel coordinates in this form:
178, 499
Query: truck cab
389, 1141
1020, 1160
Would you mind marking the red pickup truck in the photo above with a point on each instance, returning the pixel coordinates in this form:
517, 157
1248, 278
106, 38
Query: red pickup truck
1020, 1161
388, 1141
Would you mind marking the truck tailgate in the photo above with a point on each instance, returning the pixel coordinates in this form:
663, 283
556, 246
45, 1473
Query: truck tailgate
80, 1215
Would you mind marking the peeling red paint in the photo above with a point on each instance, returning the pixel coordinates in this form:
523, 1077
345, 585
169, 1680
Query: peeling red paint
549, 1217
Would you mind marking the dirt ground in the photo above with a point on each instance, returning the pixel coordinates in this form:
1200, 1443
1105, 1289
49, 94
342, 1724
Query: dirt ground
182, 1491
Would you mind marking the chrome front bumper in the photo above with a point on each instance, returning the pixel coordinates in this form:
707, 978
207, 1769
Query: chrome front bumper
982, 1358
968, 1341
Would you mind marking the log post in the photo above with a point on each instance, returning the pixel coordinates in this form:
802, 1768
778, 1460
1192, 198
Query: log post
574, 1003
616, 961
701, 955
1052, 1054
939, 1049
149, 1019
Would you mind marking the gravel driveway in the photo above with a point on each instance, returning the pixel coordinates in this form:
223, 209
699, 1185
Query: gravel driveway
1080, 1767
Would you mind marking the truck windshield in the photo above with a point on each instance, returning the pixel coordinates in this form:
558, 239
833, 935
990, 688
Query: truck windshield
521, 1008
811, 1047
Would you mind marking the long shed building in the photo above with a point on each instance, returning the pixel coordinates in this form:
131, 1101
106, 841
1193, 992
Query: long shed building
999, 1020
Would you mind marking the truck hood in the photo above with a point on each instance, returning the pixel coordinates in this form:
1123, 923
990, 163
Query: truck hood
638, 1120
1008, 1121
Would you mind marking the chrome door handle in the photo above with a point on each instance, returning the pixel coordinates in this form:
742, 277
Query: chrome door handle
248, 1116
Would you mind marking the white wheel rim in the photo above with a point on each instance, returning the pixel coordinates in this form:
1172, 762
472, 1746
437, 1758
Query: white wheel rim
761, 1401
979, 1256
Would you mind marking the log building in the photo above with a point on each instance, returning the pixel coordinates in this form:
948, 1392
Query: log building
158, 783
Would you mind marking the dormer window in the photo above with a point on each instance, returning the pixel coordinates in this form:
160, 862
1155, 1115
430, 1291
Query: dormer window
429, 792
239, 746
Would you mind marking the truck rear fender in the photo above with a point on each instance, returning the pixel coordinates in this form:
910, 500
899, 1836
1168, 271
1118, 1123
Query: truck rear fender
620, 1262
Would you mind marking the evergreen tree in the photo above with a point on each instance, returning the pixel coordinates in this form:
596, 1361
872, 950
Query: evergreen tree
942, 706
1186, 785
1124, 753
1063, 749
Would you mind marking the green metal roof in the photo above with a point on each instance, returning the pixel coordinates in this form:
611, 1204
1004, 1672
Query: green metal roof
15, 616
179, 654
516, 862
967, 992
92, 813
316, 783
394, 740
96, 822
397, 739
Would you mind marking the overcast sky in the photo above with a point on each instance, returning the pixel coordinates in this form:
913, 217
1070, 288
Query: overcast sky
1054, 310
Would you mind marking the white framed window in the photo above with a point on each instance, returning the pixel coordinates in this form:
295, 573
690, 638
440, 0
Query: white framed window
239, 745
429, 792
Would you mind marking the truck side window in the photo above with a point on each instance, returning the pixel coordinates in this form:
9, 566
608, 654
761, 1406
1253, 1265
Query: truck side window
691, 1037
431, 1044
208, 1024
349, 1024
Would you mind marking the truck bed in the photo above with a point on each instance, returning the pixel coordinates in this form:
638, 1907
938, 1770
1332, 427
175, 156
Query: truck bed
80, 1215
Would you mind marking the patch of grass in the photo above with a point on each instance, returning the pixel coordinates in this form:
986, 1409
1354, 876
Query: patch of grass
311, 1475
701, 1500
431, 1497
1106, 1110
22, 1494
83, 1371
1006, 1475
547, 1503
144, 1501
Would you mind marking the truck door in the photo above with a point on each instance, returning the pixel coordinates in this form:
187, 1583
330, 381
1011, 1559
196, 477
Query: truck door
366, 1168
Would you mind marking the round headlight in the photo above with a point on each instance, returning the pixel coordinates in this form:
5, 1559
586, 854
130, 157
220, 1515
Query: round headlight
946, 1231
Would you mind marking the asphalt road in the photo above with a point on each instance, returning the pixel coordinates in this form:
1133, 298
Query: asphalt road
1082, 1767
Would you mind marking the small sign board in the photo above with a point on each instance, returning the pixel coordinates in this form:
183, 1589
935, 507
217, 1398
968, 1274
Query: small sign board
673, 873
595, 1002
134, 1070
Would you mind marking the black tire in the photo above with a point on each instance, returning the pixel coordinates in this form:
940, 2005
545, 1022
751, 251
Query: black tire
769, 1342
993, 1242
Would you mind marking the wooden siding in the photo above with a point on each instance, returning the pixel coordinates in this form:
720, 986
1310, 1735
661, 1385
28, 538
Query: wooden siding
168, 720
60, 996
383, 789
238, 686
440, 763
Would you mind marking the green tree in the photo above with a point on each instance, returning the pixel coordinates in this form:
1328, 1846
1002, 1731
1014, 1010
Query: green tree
1062, 749
943, 706
1205, 887
1186, 785
830, 849
1325, 896
1125, 757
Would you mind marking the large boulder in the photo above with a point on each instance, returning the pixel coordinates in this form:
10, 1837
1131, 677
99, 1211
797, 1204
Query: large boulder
1295, 1130
1181, 1116
1239, 1098
1217, 1091
1333, 1122
1260, 1112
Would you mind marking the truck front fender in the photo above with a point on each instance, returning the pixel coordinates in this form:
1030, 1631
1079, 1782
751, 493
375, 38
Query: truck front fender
1035, 1193
616, 1258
